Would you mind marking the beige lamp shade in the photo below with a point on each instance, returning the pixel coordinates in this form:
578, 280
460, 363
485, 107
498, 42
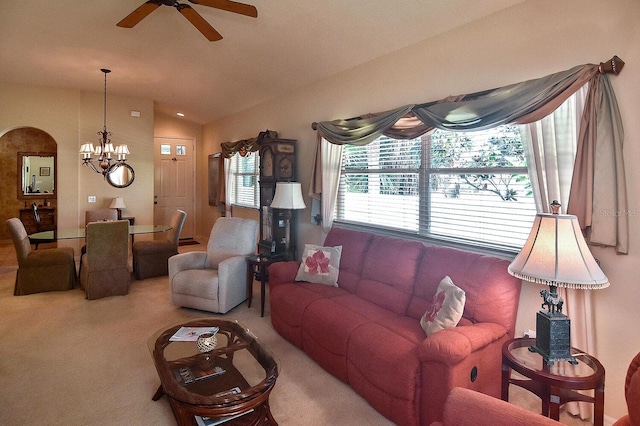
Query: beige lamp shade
556, 254
117, 203
288, 196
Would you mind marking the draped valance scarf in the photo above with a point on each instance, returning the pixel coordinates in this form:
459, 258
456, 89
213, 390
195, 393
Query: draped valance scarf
598, 189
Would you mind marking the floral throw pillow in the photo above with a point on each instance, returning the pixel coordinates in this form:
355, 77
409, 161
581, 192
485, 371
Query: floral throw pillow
320, 265
446, 308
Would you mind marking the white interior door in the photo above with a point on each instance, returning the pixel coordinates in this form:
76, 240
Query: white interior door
175, 182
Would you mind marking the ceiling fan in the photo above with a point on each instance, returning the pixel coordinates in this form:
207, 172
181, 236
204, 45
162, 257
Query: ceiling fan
188, 12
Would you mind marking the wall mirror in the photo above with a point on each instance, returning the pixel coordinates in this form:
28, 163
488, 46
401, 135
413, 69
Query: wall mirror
36, 175
121, 175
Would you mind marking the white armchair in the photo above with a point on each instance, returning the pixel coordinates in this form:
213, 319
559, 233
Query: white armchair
215, 280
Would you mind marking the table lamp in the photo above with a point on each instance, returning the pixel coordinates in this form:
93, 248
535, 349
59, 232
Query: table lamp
288, 197
556, 254
118, 204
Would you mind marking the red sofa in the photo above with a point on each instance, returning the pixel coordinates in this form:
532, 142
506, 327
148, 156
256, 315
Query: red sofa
367, 331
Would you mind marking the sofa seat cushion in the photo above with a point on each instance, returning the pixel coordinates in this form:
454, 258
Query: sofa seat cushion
384, 367
326, 332
293, 299
324, 315
405, 327
202, 283
368, 310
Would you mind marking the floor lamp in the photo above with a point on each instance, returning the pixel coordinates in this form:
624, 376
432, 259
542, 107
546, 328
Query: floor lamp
556, 254
288, 197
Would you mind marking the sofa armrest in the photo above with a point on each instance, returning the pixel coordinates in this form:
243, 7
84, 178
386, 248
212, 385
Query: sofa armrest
283, 272
452, 345
463, 405
184, 261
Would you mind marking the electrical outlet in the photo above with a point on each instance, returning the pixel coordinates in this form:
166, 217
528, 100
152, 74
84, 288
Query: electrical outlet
92, 199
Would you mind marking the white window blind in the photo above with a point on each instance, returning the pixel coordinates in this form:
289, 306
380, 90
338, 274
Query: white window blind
245, 187
469, 187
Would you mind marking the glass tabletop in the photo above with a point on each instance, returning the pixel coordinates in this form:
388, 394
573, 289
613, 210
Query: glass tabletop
524, 360
67, 234
249, 368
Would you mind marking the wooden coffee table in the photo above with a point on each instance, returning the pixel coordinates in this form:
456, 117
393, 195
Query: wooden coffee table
250, 371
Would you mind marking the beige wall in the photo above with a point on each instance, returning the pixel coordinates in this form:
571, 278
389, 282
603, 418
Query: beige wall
72, 117
527, 41
530, 40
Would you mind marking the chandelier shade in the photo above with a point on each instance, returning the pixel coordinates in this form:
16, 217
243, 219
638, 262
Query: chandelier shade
105, 150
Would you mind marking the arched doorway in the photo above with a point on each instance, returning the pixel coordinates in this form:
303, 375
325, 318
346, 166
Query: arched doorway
22, 139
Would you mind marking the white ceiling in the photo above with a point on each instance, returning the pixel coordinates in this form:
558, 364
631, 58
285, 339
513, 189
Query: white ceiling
291, 44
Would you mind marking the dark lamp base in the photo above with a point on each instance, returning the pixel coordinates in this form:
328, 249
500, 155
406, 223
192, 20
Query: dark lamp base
553, 337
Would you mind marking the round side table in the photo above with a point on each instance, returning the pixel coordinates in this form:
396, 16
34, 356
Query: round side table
257, 266
554, 384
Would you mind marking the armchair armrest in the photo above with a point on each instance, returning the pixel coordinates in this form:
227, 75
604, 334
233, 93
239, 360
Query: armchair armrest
184, 261
452, 345
232, 281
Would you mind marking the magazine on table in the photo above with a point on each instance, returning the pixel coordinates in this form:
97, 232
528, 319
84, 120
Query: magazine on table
193, 373
190, 334
207, 421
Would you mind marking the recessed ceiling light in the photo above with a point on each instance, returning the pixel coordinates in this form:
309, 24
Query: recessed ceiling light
179, 114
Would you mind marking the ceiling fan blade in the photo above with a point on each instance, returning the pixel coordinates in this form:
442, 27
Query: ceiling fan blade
229, 6
139, 14
198, 21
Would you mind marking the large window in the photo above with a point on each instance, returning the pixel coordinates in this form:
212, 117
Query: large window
245, 188
468, 187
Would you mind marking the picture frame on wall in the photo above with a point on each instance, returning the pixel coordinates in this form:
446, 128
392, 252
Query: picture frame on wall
45, 171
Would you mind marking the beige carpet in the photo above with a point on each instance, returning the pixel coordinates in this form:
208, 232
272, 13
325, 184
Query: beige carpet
65, 360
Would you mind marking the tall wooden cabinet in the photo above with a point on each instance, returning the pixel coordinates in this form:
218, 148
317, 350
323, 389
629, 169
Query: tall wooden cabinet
277, 164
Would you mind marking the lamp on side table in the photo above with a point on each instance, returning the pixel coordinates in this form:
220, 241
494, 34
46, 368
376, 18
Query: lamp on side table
288, 197
556, 254
118, 204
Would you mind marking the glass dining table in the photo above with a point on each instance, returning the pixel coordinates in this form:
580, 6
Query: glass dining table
69, 234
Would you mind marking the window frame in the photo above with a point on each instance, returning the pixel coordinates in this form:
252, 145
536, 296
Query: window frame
235, 174
424, 172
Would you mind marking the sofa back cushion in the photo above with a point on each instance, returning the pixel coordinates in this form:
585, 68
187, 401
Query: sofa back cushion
389, 272
492, 295
354, 250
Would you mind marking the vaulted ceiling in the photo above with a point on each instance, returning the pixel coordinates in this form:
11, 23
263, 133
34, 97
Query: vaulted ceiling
292, 43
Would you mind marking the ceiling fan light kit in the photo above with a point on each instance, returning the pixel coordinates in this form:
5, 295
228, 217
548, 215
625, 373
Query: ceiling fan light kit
188, 12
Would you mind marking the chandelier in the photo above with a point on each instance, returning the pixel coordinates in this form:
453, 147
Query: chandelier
105, 151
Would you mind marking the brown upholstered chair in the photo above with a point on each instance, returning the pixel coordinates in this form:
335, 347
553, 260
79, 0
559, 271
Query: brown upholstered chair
96, 215
105, 266
632, 394
150, 258
43, 270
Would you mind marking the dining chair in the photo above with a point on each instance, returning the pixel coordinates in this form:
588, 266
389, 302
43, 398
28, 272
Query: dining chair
42, 270
215, 280
105, 266
96, 215
36, 218
150, 258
